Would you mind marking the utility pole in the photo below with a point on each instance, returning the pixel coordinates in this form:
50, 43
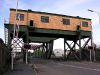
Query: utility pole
14, 36
98, 13
93, 45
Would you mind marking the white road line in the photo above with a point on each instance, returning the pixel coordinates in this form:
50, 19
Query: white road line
80, 67
87, 63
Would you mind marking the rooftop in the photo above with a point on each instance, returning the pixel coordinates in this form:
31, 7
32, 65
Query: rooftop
29, 10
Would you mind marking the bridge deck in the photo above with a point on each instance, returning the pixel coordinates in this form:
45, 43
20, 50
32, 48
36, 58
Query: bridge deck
34, 34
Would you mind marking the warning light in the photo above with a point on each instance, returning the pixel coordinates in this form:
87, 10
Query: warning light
90, 47
27, 46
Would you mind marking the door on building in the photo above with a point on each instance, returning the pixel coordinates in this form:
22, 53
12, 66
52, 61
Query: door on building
31, 23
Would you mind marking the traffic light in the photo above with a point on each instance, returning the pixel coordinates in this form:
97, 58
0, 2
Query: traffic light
27, 46
90, 47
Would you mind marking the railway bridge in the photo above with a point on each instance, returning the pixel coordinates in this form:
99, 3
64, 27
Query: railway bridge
44, 27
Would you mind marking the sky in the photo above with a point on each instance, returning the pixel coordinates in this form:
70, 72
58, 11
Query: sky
66, 7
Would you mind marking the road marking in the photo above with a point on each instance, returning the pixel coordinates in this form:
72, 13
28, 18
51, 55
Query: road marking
88, 63
80, 67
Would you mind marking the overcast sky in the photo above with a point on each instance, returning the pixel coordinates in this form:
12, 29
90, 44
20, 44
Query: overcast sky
67, 7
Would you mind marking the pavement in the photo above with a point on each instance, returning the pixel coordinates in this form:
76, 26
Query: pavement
21, 68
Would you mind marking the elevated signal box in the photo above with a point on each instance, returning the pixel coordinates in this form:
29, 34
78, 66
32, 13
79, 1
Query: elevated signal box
44, 27
49, 20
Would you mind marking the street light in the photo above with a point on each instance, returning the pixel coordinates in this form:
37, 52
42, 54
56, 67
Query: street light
98, 13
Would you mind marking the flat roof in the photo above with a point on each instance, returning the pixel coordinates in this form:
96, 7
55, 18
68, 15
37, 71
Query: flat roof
29, 10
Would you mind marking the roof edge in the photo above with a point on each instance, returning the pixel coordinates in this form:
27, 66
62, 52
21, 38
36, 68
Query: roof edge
29, 10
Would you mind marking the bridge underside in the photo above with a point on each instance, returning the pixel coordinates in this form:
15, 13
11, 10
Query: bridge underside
47, 36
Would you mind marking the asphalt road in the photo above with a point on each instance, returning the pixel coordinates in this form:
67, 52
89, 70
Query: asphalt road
50, 67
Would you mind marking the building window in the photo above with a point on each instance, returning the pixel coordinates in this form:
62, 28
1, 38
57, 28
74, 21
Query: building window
45, 19
85, 24
66, 21
20, 17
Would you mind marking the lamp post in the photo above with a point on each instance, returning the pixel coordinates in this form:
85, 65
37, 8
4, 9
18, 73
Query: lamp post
98, 13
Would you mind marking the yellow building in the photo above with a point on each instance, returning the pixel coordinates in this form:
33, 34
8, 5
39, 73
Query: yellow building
50, 20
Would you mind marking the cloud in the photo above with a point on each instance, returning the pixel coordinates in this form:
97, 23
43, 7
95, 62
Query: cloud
2, 33
9, 3
68, 7
65, 5
13, 3
57, 42
57, 6
96, 36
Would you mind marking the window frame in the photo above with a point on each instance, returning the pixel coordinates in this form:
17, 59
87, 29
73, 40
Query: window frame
20, 16
66, 21
85, 24
45, 19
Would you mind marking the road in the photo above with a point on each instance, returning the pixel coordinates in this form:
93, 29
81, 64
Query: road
50, 67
